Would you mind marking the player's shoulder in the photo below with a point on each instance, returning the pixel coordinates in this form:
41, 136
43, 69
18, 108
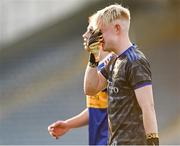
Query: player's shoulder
136, 58
135, 55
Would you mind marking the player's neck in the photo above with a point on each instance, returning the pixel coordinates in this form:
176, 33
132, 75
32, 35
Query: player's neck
103, 54
123, 45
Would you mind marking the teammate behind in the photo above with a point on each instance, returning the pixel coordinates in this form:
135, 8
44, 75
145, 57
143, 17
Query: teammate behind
96, 112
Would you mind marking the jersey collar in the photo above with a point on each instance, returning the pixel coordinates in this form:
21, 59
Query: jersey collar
122, 55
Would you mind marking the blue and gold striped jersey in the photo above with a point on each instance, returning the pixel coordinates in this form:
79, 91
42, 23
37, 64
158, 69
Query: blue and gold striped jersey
98, 118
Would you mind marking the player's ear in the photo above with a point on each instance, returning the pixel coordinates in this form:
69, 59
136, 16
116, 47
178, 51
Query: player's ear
117, 28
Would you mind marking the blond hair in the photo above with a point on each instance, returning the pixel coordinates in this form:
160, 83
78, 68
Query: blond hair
111, 14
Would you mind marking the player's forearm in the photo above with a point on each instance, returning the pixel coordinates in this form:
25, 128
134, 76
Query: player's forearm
91, 81
145, 99
149, 120
79, 120
150, 125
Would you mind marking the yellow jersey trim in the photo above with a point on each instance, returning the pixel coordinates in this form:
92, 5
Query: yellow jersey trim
100, 100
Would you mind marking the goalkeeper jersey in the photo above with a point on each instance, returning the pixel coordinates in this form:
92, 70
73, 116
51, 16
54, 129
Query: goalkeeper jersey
126, 73
98, 119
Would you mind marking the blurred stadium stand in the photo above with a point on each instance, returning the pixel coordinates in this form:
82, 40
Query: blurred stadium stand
42, 66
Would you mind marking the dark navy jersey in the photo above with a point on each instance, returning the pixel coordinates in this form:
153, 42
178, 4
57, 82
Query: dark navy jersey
124, 74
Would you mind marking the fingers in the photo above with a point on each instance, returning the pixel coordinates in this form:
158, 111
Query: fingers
52, 133
94, 44
51, 130
101, 39
57, 129
93, 40
85, 44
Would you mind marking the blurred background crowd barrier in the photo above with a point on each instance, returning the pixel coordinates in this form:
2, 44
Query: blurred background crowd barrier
42, 65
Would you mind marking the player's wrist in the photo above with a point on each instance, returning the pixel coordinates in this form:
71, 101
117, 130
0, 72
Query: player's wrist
152, 139
69, 124
93, 61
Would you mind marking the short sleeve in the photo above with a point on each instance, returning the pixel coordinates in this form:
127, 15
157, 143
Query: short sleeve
139, 73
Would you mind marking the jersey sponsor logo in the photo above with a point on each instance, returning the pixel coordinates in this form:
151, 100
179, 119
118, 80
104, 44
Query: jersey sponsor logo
113, 90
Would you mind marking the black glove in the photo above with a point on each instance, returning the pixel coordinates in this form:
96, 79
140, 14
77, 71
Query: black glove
94, 42
95, 39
